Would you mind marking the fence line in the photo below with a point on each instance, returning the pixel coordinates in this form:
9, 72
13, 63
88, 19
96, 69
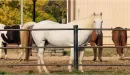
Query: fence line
66, 47
66, 65
60, 29
75, 30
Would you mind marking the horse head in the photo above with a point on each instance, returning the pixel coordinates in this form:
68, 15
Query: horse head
2, 26
98, 22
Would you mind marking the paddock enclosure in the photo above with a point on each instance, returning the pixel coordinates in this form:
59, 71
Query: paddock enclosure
115, 14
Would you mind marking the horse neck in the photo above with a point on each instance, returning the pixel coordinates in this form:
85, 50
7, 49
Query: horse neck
84, 23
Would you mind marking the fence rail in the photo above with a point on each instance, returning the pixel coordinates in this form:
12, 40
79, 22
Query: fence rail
67, 47
66, 65
60, 29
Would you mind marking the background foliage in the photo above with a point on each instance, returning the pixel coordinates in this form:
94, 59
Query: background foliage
45, 9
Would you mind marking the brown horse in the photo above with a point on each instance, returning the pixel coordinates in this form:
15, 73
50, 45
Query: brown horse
97, 40
15, 37
26, 39
119, 38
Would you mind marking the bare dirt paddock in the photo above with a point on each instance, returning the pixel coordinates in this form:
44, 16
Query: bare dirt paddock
61, 60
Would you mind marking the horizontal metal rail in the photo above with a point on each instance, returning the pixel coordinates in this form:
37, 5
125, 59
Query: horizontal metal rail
36, 29
104, 64
60, 29
35, 65
68, 47
111, 36
104, 46
64, 65
101, 29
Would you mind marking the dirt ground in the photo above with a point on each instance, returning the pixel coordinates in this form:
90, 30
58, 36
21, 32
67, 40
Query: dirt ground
61, 60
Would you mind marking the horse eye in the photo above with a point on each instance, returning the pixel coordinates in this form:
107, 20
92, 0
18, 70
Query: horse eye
94, 21
101, 21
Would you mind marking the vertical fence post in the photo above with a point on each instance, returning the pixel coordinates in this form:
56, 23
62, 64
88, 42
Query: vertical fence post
75, 47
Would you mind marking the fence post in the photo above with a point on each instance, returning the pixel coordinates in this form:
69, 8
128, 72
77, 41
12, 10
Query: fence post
75, 47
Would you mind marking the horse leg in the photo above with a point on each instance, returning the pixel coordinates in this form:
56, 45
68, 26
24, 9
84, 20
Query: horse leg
40, 57
71, 59
30, 42
5, 50
94, 51
81, 51
122, 52
118, 51
0, 49
100, 43
22, 54
100, 54
30, 52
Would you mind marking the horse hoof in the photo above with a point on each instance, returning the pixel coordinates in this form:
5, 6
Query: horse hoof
100, 60
21, 59
94, 59
1, 58
47, 72
5, 57
40, 71
120, 58
30, 54
70, 70
82, 70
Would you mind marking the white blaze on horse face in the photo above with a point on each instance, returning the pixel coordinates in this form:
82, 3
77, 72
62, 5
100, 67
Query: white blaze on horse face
98, 23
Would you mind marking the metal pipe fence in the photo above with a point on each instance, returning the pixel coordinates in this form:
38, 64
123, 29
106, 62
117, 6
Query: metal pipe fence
75, 30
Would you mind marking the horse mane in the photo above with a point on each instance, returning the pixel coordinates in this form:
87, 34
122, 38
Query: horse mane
84, 22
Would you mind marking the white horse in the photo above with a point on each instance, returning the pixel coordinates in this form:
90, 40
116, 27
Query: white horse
65, 37
23, 37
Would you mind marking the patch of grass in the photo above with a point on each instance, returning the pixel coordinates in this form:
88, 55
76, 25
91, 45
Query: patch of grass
66, 53
94, 73
75, 73
107, 52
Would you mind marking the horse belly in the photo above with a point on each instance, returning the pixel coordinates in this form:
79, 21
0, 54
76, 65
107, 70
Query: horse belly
60, 38
84, 37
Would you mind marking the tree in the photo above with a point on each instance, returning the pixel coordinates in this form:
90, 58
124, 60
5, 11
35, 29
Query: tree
57, 8
40, 14
10, 11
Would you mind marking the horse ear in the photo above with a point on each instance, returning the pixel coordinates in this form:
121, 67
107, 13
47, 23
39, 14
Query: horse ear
101, 13
94, 14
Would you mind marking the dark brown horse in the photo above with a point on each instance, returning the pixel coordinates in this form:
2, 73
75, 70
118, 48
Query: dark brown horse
119, 38
97, 40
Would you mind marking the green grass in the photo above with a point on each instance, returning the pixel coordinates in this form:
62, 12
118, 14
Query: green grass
88, 52
107, 52
75, 73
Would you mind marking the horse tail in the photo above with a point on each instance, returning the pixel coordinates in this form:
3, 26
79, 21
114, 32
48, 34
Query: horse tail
120, 37
5, 38
126, 36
